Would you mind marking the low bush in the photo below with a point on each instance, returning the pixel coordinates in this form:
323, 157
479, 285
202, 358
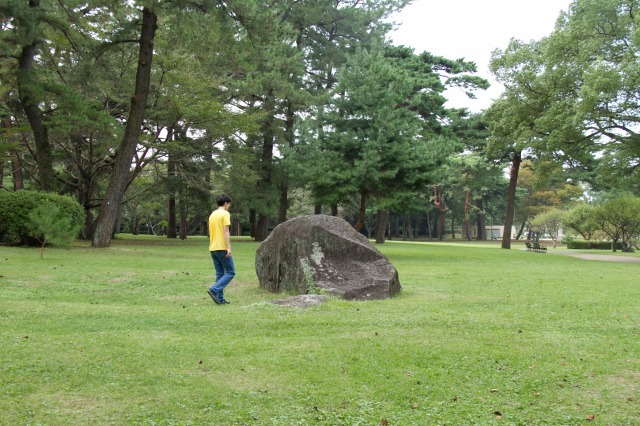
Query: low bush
591, 245
15, 208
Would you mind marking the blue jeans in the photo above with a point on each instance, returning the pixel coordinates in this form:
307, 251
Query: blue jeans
225, 271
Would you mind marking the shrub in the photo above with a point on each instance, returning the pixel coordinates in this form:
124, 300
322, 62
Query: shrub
49, 227
15, 208
591, 245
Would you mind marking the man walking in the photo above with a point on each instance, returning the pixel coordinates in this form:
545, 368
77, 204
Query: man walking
220, 248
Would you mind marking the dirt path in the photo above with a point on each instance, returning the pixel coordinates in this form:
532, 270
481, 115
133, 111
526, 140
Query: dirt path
603, 257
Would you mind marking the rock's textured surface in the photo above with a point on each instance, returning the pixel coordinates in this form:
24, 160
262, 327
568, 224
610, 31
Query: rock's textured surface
315, 252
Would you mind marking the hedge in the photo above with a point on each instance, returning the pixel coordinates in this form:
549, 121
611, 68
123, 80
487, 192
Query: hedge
16, 206
591, 245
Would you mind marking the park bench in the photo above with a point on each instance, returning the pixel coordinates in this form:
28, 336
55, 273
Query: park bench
536, 247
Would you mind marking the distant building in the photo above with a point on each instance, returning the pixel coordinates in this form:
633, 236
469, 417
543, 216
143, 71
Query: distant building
493, 232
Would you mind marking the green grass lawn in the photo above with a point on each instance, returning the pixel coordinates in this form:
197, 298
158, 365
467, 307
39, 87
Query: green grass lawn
478, 335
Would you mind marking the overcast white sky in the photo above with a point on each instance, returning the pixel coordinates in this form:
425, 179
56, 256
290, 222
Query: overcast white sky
472, 29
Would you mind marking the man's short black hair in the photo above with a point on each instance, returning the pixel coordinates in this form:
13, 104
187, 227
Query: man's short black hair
222, 198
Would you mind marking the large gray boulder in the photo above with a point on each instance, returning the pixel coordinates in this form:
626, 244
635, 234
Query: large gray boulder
311, 253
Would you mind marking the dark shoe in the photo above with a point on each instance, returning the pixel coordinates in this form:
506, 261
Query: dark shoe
213, 296
225, 302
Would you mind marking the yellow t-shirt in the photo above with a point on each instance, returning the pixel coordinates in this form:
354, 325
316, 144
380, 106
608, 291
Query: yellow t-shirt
217, 221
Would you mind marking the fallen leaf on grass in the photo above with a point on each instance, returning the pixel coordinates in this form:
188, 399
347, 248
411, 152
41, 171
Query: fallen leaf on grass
591, 417
384, 422
415, 406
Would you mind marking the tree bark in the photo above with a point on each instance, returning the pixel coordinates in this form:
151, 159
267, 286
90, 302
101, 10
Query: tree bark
183, 215
382, 224
171, 213
480, 223
284, 184
453, 227
6, 124
511, 199
283, 203
122, 164
521, 230
252, 222
29, 101
262, 227
266, 165
396, 230
404, 228
467, 231
16, 173
363, 211
408, 227
438, 201
16, 166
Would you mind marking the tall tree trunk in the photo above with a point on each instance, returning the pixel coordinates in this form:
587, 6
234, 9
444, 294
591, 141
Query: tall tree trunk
404, 228
171, 213
467, 232
480, 223
408, 226
429, 224
16, 172
521, 230
453, 227
438, 201
283, 203
16, 165
317, 209
183, 215
284, 184
262, 227
266, 165
172, 232
396, 230
6, 124
363, 211
122, 163
511, 199
29, 101
334, 209
204, 223
382, 224
253, 215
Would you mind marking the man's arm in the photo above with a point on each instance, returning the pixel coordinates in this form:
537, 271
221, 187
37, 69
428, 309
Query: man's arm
227, 239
